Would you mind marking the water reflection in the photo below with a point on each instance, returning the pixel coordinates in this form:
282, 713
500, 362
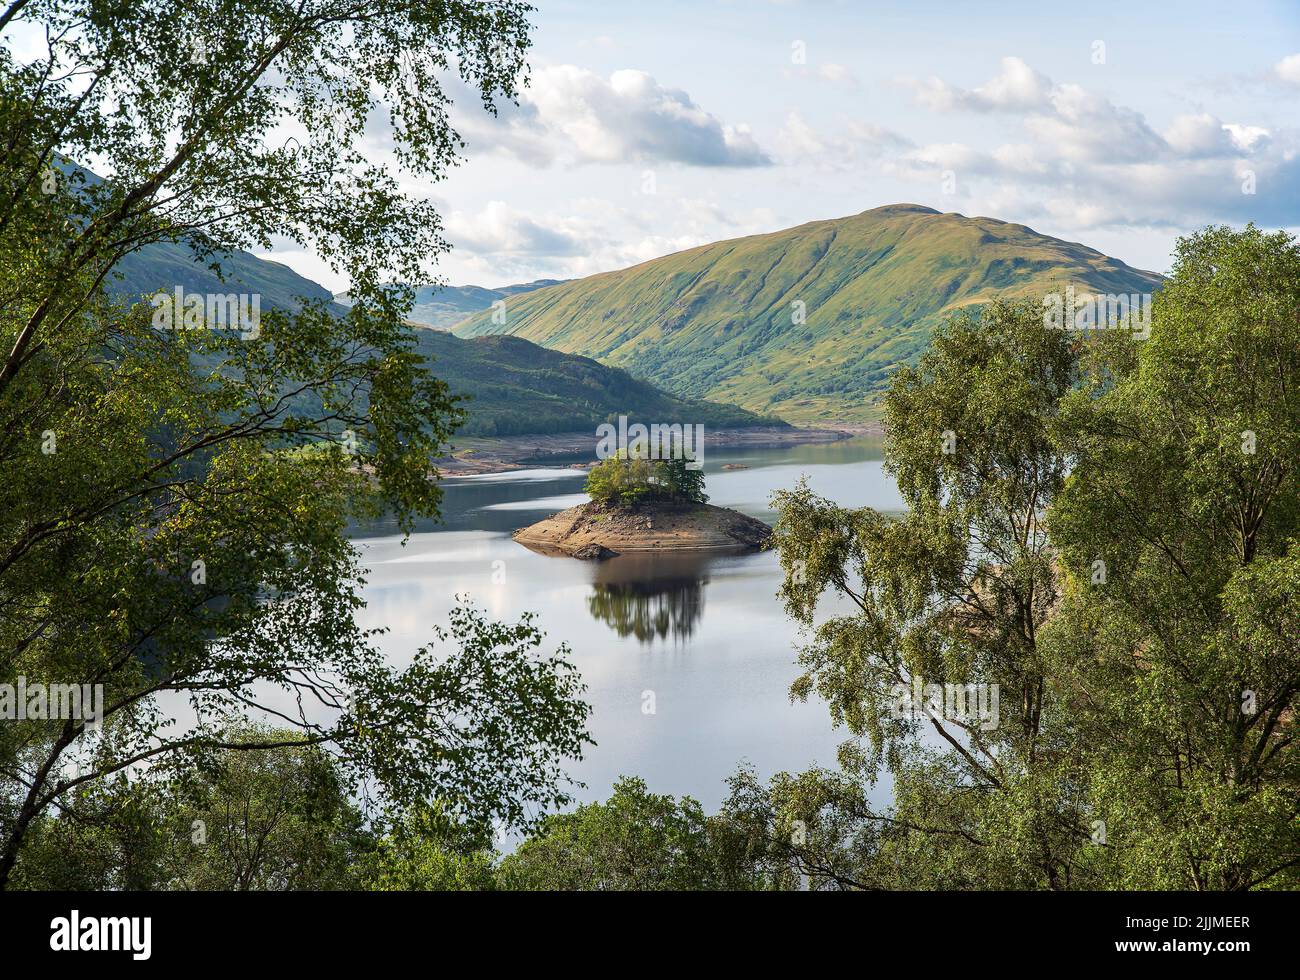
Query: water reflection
651, 597
633, 624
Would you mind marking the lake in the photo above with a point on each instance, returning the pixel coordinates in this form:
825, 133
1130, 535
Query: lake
703, 637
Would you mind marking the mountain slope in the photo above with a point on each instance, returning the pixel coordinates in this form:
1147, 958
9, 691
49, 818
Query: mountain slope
513, 386
443, 307
718, 321
165, 265
516, 387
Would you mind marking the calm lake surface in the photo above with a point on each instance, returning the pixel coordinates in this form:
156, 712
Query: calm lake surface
705, 634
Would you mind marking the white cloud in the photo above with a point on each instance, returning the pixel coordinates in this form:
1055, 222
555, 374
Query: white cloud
828, 71
1288, 69
1016, 86
798, 139
1092, 163
1247, 139
569, 112
932, 161
1020, 158
852, 141
1200, 135
836, 74
500, 230
875, 138
1084, 126
1205, 135
499, 244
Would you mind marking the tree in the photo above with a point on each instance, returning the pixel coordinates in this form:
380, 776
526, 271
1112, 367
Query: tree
681, 482
429, 849
953, 594
263, 819
637, 841
173, 513
620, 480
629, 477
1145, 650
1183, 658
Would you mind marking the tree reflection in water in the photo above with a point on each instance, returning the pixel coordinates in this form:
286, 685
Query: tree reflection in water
650, 596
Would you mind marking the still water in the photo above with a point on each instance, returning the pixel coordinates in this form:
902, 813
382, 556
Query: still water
704, 636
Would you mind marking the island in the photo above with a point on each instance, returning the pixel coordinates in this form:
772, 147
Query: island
643, 505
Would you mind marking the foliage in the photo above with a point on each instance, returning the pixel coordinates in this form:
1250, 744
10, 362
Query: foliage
1145, 650
267, 820
954, 592
428, 849
1185, 661
159, 535
636, 841
631, 477
263, 819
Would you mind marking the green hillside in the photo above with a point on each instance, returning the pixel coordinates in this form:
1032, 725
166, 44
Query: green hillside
165, 265
517, 387
513, 386
716, 321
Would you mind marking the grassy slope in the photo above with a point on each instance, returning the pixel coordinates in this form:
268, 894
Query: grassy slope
514, 386
166, 265
517, 387
715, 322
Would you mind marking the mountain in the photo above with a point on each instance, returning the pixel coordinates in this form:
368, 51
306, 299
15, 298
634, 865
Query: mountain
513, 386
719, 321
165, 265
517, 387
443, 307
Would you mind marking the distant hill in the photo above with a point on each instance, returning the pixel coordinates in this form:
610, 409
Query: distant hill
514, 386
166, 265
517, 387
716, 321
443, 307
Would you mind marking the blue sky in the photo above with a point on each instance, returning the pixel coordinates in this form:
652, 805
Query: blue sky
648, 128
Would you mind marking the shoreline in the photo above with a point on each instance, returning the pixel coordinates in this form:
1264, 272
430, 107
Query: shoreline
597, 531
479, 455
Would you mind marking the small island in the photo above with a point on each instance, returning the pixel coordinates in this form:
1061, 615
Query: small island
643, 505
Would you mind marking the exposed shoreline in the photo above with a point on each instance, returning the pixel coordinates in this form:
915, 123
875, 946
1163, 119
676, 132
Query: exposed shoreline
475, 455
598, 531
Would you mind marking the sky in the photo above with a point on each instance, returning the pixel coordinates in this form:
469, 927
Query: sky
647, 128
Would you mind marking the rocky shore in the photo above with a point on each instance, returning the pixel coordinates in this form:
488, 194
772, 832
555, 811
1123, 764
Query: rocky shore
598, 531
